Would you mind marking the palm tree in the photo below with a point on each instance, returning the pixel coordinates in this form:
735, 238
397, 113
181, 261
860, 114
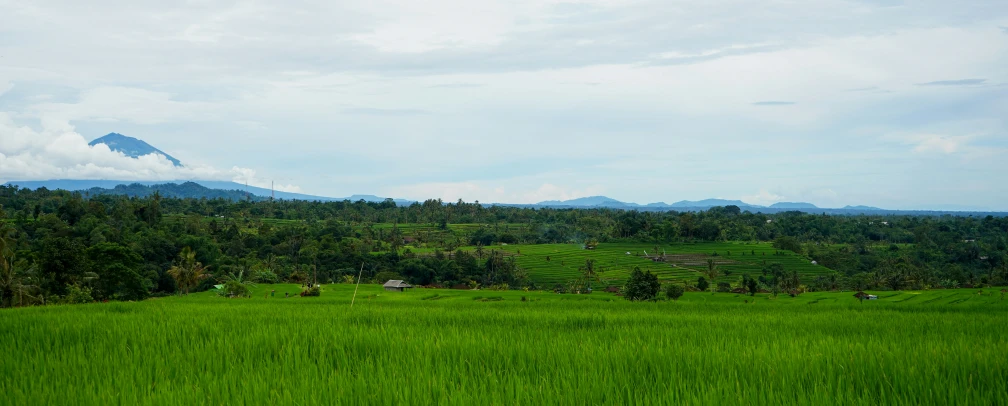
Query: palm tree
17, 280
7, 232
588, 274
712, 273
188, 272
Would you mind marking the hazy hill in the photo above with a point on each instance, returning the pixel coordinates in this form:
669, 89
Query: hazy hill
591, 201
208, 188
711, 203
793, 205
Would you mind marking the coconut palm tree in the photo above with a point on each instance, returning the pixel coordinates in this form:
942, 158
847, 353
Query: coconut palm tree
588, 274
188, 272
17, 281
712, 272
7, 232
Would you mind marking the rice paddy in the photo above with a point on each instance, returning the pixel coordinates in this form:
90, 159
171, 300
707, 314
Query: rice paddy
549, 264
435, 346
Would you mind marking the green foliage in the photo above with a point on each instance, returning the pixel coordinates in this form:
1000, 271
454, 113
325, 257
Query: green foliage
266, 276
127, 248
750, 284
641, 286
117, 270
724, 287
61, 263
188, 272
386, 276
18, 281
313, 291
77, 295
674, 291
788, 243
702, 283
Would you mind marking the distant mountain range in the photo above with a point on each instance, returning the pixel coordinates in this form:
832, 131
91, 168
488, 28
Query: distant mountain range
195, 189
793, 205
603, 201
236, 191
131, 147
134, 148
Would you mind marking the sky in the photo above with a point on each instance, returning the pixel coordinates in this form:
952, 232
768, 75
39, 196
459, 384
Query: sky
894, 104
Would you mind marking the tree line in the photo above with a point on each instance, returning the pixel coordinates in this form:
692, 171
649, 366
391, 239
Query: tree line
60, 245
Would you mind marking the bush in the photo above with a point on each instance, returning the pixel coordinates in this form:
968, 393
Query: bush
788, 244
724, 287
641, 286
702, 284
674, 291
235, 289
77, 295
312, 291
266, 276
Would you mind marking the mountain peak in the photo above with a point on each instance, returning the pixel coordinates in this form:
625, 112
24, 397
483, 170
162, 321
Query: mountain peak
131, 147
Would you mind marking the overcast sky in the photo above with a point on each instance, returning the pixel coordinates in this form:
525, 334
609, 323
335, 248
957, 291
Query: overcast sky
886, 103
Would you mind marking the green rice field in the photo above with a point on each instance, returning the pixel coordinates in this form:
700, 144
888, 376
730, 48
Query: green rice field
436, 346
683, 261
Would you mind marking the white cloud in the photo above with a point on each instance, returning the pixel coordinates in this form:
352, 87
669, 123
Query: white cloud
248, 176
652, 99
114, 103
763, 198
934, 143
57, 151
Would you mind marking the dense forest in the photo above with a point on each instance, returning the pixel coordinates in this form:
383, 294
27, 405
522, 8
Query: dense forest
59, 244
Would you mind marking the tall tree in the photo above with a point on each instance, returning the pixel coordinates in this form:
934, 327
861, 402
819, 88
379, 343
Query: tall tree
188, 272
17, 281
712, 272
588, 274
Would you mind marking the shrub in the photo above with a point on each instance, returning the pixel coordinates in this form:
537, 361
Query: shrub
312, 291
788, 243
674, 291
233, 288
702, 284
77, 295
724, 287
266, 276
641, 285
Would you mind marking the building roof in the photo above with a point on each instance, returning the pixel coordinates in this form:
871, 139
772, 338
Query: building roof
397, 284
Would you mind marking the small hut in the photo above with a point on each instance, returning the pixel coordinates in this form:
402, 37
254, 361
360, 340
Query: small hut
397, 286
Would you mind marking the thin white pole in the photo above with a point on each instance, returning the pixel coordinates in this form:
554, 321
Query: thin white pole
358, 284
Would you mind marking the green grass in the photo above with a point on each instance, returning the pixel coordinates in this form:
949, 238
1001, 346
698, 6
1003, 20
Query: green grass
483, 347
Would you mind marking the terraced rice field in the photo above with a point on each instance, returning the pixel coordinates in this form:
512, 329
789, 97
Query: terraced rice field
683, 261
448, 347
